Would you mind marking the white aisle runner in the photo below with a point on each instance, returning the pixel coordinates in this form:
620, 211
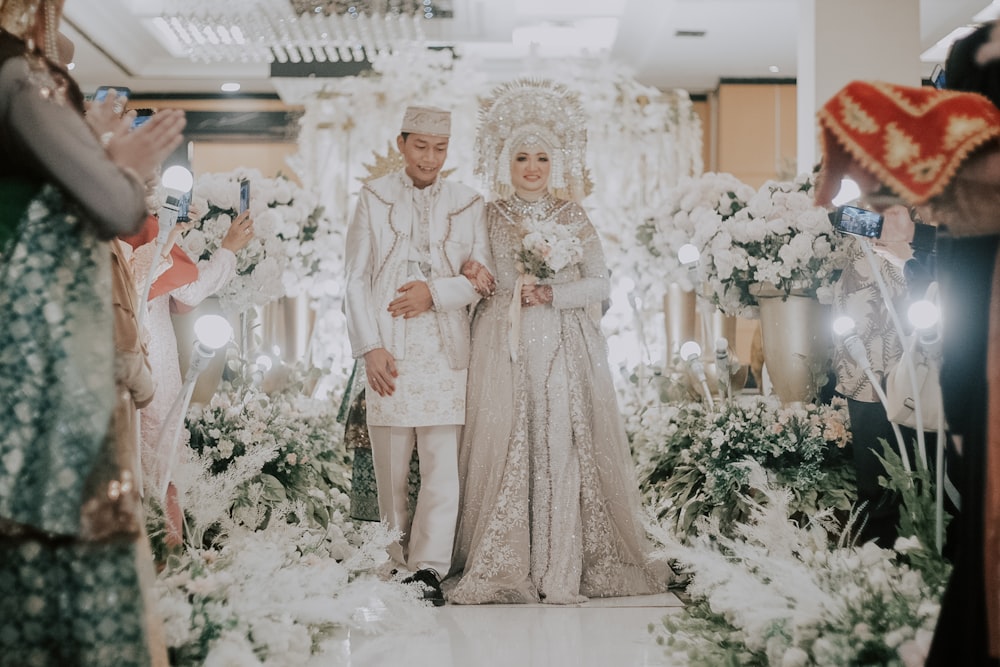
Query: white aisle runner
608, 632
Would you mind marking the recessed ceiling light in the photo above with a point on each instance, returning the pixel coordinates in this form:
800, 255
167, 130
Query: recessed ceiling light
230, 87
773, 69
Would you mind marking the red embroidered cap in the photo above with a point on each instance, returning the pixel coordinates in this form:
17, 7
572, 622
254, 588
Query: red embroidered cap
912, 139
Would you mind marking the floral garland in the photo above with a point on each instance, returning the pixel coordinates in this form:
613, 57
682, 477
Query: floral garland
781, 239
295, 249
694, 462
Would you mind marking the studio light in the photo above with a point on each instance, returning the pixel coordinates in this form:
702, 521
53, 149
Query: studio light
212, 332
688, 254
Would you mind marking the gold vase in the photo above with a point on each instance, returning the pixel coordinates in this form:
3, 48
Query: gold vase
679, 308
795, 332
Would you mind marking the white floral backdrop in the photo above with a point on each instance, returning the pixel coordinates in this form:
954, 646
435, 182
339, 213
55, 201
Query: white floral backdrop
641, 142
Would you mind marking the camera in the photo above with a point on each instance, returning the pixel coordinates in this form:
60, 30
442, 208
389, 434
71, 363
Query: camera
244, 195
857, 221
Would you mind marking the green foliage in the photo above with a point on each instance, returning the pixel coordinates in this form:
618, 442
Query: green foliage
693, 462
311, 459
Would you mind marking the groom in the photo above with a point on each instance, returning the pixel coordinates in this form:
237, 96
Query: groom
407, 310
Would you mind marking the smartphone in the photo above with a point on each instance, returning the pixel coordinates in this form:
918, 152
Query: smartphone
244, 195
139, 120
183, 207
857, 221
102, 92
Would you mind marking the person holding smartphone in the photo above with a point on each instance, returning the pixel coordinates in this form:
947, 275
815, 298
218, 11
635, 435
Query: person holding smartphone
71, 586
179, 285
857, 294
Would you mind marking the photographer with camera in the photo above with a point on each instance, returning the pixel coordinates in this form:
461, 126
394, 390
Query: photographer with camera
904, 271
952, 172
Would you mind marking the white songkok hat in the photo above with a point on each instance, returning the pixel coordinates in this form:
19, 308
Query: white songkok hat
427, 120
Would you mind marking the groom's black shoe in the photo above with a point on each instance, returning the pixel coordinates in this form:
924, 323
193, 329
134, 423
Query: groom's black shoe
430, 582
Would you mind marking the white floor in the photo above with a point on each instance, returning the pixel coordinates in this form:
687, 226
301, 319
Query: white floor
610, 632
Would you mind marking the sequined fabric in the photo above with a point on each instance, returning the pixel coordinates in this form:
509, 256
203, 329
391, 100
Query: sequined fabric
550, 506
44, 584
56, 366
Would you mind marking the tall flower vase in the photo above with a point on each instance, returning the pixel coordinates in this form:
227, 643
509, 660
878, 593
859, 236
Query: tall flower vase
795, 332
679, 309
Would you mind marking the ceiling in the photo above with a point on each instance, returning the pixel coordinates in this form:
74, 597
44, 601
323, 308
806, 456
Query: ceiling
118, 42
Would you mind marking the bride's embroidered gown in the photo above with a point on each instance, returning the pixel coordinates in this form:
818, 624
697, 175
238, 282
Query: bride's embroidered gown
550, 505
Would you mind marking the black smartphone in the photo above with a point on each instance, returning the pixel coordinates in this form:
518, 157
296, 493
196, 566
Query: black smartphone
183, 207
102, 92
857, 221
244, 195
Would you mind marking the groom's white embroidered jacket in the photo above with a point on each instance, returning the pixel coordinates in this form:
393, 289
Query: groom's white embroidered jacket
377, 248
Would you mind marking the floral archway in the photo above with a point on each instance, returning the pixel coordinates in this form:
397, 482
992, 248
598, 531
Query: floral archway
642, 141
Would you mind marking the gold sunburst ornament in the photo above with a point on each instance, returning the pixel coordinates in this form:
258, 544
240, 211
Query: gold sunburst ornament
391, 161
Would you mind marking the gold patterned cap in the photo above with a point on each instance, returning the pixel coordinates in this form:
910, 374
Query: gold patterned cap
427, 120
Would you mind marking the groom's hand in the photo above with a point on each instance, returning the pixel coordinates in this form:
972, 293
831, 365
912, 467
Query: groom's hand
414, 298
380, 369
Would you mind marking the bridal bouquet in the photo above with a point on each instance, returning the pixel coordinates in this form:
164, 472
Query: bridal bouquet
548, 248
288, 223
780, 238
693, 212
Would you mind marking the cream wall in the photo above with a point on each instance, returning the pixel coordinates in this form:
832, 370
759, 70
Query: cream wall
755, 139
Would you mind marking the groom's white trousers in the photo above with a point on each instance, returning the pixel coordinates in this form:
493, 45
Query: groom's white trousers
427, 543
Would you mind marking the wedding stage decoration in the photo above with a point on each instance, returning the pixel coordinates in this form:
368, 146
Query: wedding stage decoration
779, 238
770, 255
295, 249
310, 466
273, 570
694, 462
640, 142
773, 590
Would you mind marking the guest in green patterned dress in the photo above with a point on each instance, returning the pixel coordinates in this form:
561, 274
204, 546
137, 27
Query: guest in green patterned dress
70, 591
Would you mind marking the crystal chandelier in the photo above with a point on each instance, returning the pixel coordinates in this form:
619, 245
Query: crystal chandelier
268, 31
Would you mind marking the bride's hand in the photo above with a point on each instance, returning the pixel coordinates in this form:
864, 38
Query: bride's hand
480, 277
536, 295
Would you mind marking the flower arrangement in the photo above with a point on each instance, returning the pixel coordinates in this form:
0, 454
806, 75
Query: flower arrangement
309, 464
285, 595
548, 247
695, 462
290, 234
779, 239
778, 590
692, 213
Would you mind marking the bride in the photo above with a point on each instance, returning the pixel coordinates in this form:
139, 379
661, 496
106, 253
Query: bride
550, 506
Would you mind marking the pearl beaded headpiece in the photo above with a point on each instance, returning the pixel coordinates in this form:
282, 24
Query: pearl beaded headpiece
18, 17
528, 113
